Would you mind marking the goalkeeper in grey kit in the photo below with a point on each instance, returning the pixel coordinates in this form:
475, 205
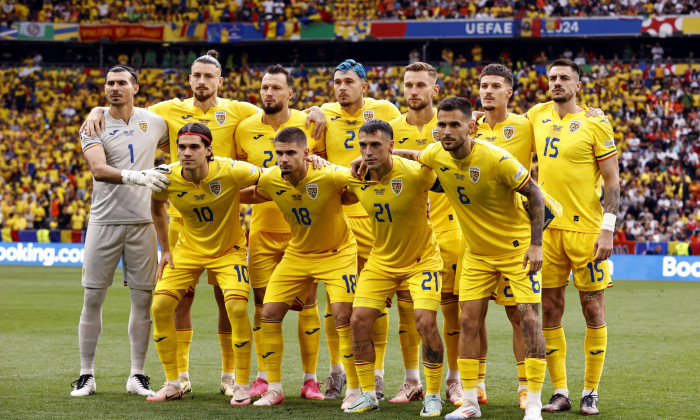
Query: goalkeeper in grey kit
120, 225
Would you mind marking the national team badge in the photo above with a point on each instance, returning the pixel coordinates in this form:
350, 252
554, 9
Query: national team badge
474, 174
508, 132
215, 188
396, 186
368, 115
574, 126
143, 126
436, 137
312, 191
220, 117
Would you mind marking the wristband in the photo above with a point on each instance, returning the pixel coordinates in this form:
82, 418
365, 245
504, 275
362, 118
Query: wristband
609, 222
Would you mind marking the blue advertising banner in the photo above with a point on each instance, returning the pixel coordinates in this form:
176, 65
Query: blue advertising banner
655, 267
461, 29
222, 33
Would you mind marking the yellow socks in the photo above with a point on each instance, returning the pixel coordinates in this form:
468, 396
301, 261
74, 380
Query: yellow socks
164, 334
482, 370
237, 310
522, 375
535, 370
450, 329
556, 355
433, 377
469, 372
365, 373
408, 335
309, 332
272, 348
257, 337
331, 336
595, 345
227, 358
345, 345
380, 331
184, 339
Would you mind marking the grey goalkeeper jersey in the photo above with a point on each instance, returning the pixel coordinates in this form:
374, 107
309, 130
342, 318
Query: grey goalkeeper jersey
127, 146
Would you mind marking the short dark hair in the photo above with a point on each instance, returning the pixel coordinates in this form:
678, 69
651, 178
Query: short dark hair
420, 66
197, 129
455, 102
378, 126
211, 57
120, 68
279, 69
291, 135
496, 69
565, 62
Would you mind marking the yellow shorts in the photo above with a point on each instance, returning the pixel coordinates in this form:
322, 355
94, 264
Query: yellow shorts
229, 271
566, 251
361, 227
376, 285
174, 228
449, 242
503, 295
291, 279
460, 259
265, 252
479, 278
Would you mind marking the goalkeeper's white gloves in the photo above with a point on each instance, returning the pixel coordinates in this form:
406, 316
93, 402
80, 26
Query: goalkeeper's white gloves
151, 178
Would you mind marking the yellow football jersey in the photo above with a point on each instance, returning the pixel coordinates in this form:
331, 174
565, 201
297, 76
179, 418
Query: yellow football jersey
397, 206
568, 152
254, 143
222, 120
483, 191
514, 134
209, 210
341, 135
407, 136
312, 208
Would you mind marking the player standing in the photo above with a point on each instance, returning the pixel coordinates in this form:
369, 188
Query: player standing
395, 192
416, 130
480, 181
205, 190
120, 225
575, 152
321, 247
344, 118
269, 232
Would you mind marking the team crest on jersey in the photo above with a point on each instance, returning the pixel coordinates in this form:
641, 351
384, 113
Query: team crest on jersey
220, 117
474, 174
574, 126
436, 137
396, 186
312, 191
368, 115
215, 188
143, 126
508, 132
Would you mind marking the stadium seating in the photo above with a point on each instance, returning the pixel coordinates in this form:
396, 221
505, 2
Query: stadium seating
46, 185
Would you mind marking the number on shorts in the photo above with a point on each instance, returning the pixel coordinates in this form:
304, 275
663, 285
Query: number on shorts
535, 284
350, 282
597, 273
302, 215
462, 196
429, 276
242, 271
204, 214
507, 291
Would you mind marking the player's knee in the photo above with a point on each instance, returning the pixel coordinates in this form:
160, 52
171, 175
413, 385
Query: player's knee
469, 327
594, 314
237, 309
513, 316
360, 323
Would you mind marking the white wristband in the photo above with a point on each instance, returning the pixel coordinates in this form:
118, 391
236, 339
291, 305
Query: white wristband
609, 222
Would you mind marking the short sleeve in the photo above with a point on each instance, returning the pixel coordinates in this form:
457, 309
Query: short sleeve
244, 173
87, 142
161, 196
341, 174
425, 157
604, 143
512, 172
237, 145
426, 178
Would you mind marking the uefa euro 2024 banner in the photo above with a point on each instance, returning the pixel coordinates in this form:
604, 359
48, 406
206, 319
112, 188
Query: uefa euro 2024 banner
622, 267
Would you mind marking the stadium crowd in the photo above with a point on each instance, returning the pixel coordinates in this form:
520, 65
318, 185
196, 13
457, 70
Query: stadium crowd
210, 11
45, 183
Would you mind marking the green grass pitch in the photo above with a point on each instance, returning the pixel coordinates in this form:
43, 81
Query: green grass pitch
651, 369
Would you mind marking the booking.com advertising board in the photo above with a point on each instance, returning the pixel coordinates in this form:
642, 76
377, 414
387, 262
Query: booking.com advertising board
623, 267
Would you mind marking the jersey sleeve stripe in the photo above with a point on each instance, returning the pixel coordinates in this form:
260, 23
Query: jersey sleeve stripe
522, 185
606, 155
91, 145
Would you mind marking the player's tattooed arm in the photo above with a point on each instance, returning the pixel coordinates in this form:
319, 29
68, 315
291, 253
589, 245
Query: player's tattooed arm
603, 247
535, 208
407, 154
532, 329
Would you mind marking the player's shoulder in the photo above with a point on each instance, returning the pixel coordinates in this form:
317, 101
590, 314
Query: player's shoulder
399, 122
600, 121
251, 121
540, 108
298, 119
406, 165
269, 174
332, 107
517, 119
146, 114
